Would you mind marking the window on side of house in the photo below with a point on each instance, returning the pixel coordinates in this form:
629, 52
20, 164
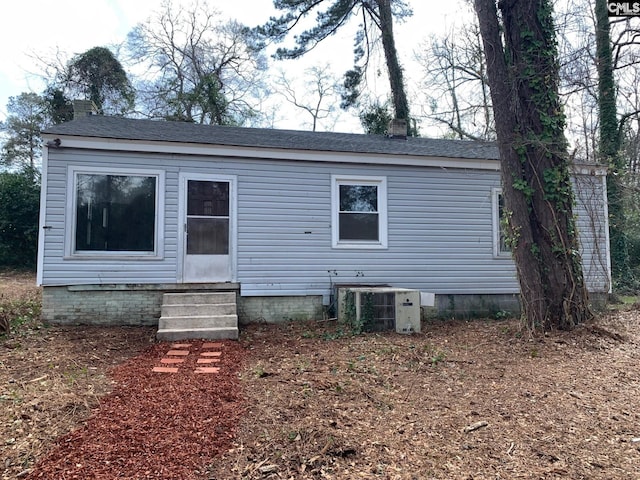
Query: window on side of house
115, 213
501, 248
359, 212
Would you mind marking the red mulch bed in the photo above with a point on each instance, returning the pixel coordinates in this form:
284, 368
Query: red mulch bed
154, 425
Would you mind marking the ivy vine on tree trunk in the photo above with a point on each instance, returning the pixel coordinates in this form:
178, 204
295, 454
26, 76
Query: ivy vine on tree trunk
610, 143
522, 68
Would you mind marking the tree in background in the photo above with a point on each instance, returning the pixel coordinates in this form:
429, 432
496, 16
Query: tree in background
59, 107
377, 26
97, 75
455, 83
20, 179
375, 118
27, 116
320, 91
198, 69
601, 85
610, 145
523, 72
19, 207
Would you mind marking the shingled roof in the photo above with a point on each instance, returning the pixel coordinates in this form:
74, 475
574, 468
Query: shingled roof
98, 126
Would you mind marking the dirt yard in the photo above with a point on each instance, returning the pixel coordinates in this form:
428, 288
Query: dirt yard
462, 400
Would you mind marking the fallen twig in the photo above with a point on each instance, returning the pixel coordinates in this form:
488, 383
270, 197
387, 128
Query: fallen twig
475, 426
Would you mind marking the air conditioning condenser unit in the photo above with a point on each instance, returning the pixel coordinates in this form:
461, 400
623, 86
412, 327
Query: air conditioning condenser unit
381, 308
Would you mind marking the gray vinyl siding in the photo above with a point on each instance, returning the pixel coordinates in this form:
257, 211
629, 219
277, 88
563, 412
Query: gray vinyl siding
591, 213
82, 271
439, 227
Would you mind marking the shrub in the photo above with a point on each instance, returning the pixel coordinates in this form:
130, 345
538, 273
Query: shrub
19, 210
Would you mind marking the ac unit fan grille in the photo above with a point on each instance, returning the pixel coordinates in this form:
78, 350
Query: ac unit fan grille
383, 311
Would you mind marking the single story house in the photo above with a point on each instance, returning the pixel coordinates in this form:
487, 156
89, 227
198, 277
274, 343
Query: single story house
132, 209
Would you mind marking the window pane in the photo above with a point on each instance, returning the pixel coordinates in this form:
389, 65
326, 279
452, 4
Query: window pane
358, 198
115, 213
208, 198
504, 248
359, 226
208, 236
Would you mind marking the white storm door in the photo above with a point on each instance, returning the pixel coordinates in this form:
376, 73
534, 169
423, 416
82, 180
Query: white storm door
207, 216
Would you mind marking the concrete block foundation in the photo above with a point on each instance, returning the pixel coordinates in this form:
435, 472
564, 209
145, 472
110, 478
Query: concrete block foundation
279, 309
133, 304
141, 305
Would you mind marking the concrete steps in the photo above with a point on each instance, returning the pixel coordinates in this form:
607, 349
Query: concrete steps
198, 315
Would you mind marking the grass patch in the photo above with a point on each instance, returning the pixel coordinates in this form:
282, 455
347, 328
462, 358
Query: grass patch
20, 304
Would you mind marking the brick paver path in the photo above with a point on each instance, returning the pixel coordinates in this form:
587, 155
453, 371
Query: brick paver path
208, 353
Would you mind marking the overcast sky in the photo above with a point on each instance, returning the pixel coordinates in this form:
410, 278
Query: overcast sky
30, 28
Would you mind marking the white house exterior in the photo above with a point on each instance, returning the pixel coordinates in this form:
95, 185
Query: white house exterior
134, 208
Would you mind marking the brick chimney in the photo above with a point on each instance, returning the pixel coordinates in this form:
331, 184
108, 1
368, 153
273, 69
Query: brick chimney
84, 108
397, 128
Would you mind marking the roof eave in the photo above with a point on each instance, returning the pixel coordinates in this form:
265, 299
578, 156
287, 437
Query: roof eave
293, 154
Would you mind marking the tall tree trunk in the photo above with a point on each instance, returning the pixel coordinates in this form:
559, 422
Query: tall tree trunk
396, 78
523, 79
609, 148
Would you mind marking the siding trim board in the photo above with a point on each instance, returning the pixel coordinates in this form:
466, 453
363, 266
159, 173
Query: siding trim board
607, 242
43, 227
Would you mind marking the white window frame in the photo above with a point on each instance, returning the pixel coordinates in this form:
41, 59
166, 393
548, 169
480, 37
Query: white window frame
70, 232
381, 184
495, 215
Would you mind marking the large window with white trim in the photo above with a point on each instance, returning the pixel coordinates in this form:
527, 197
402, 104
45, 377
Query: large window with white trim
501, 247
115, 213
359, 212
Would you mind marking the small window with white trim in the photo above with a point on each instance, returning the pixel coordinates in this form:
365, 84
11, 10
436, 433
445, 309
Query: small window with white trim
359, 212
115, 213
501, 248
